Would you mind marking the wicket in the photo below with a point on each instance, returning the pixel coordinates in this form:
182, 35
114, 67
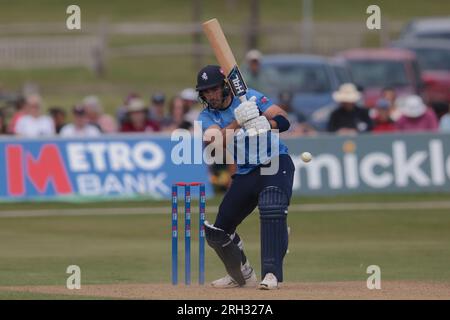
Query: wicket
187, 232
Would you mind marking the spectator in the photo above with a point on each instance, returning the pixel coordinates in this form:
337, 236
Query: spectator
121, 113
2, 123
256, 77
33, 123
382, 121
177, 115
348, 118
390, 95
20, 111
416, 116
190, 103
444, 124
80, 126
299, 126
156, 111
137, 118
94, 112
59, 118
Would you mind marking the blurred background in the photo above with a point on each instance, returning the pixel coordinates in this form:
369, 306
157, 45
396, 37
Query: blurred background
132, 65
145, 47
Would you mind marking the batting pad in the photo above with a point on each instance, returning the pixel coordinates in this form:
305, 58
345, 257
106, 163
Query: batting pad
273, 204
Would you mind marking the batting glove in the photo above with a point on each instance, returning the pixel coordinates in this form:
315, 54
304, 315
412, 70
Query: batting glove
257, 125
246, 111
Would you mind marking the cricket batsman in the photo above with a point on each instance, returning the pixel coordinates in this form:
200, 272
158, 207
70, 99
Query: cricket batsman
250, 188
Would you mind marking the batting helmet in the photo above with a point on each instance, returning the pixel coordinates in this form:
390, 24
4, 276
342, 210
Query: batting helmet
209, 77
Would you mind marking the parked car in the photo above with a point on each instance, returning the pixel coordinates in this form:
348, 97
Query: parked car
341, 70
434, 60
310, 79
430, 28
374, 69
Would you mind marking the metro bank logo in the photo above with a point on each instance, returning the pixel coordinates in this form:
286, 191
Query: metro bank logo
46, 169
108, 167
131, 166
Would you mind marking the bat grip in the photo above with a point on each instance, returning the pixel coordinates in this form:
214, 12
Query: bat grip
243, 98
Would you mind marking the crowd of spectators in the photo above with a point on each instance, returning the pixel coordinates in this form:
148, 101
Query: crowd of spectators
391, 113
88, 119
406, 113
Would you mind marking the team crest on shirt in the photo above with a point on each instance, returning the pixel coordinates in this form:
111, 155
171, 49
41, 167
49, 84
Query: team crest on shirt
263, 99
217, 120
204, 76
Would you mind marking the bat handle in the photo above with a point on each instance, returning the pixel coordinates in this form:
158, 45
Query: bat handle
243, 98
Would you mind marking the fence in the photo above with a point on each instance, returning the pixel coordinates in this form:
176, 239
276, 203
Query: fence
51, 45
48, 51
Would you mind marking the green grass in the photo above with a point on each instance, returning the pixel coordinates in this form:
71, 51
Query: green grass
324, 246
230, 10
143, 202
13, 295
363, 198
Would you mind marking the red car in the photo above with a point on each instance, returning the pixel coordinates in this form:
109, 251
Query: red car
434, 61
375, 69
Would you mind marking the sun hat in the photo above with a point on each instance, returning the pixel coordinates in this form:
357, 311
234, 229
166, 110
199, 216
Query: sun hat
411, 106
253, 55
136, 105
347, 93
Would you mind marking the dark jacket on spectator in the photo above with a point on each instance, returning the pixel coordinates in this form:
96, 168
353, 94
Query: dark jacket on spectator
357, 118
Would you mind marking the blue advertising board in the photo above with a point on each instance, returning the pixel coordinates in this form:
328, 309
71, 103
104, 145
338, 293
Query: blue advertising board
125, 166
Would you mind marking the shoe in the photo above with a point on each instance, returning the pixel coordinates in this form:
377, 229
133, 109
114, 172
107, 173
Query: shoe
228, 282
270, 282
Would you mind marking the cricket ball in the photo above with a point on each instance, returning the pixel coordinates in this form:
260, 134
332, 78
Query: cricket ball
306, 156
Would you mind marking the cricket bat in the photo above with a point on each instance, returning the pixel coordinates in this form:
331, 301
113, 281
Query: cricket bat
225, 57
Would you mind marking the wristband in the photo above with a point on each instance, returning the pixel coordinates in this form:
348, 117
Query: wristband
282, 123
